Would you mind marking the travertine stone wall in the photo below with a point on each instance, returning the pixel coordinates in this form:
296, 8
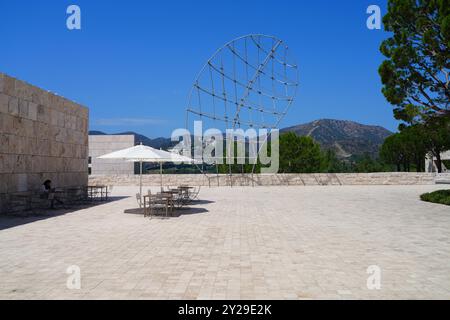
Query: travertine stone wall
42, 136
393, 178
102, 144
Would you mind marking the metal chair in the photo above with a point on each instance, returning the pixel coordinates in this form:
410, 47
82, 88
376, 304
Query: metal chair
139, 200
156, 202
193, 195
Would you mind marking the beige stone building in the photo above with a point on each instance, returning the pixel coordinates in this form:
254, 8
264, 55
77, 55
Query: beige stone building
102, 144
42, 136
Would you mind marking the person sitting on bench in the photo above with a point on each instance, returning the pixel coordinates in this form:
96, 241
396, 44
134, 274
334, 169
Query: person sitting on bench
49, 193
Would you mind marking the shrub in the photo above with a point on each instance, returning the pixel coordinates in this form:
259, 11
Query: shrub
441, 196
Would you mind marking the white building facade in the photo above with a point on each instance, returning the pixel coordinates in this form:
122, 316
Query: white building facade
100, 145
430, 163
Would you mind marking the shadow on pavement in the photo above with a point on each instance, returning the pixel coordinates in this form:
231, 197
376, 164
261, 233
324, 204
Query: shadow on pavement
161, 213
12, 221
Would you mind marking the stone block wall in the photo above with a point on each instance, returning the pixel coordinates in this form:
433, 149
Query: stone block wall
42, 136
322, 179
102, 144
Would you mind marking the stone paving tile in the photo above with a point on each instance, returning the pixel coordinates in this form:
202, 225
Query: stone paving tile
244, 243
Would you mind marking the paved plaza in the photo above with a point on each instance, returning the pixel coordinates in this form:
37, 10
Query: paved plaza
237, 243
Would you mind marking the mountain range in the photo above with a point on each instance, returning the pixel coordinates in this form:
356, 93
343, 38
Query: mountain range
347, 138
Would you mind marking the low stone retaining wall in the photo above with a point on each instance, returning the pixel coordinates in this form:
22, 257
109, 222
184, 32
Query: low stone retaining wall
322, 179
443, 178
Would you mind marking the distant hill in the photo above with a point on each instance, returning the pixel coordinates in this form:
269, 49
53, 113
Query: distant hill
346, 138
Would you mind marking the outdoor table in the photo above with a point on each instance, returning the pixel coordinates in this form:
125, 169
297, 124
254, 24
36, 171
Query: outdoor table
185, 190
173, 191
103, 191
185, 187
179, 196
168, 196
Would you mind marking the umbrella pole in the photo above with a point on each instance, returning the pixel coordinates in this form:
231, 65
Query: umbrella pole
160, 173
140, 179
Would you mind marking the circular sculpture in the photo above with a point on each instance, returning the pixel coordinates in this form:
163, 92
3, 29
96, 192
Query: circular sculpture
250, 82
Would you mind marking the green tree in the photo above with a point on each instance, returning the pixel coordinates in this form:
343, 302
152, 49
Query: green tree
437, 138
415, 75
367, 164
392, 151
299, 154
331, 163
239, 168
414, 145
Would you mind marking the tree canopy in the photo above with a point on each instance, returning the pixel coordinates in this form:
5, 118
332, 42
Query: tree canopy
415, 75
299, 154
413, 143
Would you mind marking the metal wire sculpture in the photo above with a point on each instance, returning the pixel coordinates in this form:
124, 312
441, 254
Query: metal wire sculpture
250, 82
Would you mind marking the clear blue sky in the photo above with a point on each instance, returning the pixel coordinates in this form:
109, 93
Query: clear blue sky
134, 62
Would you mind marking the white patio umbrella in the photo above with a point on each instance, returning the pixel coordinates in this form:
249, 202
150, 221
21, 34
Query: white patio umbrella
169, 157
141, 153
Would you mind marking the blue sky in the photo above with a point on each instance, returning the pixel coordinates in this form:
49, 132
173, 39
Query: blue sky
134, 62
